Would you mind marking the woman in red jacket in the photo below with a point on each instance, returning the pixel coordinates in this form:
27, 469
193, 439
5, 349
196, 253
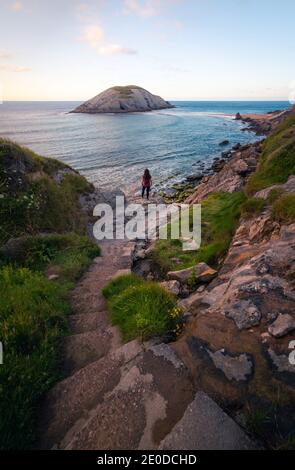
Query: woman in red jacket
146, 182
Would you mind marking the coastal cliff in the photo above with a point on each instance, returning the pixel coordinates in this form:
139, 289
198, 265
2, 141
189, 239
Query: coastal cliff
123, 99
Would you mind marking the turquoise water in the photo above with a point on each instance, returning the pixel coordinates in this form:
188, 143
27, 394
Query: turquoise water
112, 150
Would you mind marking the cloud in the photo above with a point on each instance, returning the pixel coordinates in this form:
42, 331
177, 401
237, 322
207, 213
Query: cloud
145, 9
114, 49
94, 36
14, 68
5, 55
16, 6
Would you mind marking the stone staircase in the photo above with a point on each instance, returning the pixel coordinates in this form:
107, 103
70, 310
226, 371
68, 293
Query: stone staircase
124, 396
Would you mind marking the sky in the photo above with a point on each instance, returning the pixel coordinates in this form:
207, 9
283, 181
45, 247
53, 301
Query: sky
179, 49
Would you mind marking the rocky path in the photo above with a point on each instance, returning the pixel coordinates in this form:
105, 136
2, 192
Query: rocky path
126, 396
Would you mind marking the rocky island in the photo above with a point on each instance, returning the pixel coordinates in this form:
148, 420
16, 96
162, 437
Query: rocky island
123, 99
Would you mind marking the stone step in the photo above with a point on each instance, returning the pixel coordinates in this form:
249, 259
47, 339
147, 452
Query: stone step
82, 323
84, 348
140, 410
205, 426
67, 404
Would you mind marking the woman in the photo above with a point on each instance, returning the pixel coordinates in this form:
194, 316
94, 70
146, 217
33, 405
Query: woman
146, 182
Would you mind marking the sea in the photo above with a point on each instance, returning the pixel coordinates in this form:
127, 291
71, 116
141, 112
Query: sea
112, 150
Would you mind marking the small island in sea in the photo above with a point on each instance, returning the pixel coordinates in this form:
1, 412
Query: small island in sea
123, 99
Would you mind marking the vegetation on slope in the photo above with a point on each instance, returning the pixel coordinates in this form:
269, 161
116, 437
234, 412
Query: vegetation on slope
220, 216
142, 309
36, 195
277, 161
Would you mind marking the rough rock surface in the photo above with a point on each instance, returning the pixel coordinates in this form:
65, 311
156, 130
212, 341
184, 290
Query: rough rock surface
232, 174
283, 325
201, 273
237, 367
123, 99
171, 286
204, 426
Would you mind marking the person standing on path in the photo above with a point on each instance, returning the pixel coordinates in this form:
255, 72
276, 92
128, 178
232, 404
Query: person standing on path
146, 182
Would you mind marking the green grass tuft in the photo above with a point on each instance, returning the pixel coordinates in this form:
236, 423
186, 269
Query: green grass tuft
252, 206
119, 284
283, 209
144, 311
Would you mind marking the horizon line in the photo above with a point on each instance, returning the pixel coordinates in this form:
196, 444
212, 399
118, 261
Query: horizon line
167, 99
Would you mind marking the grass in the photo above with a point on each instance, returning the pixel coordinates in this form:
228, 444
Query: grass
252, 206
33, 319
142, 309
277, 161
33, 314
31, 197
257, 419
121, 283
68, 255
283, 209
220, 216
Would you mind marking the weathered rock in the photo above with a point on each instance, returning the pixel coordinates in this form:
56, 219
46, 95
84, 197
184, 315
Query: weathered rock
240, 167
205, 426
201, 272
172, 286
283, 325
235, 367
288, 187
281, 361
182, 275
244, 313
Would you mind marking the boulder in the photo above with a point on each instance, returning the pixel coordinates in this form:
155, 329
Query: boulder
172, 286
224, 142
240, 167
283, 325
202, 273
182, 275
237, 146
244, 313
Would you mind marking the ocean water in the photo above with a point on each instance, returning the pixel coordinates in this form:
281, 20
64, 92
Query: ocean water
113, 150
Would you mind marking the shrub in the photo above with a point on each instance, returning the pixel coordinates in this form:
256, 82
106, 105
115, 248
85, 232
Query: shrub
252, 206
283, 209
144, 310
119, 284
